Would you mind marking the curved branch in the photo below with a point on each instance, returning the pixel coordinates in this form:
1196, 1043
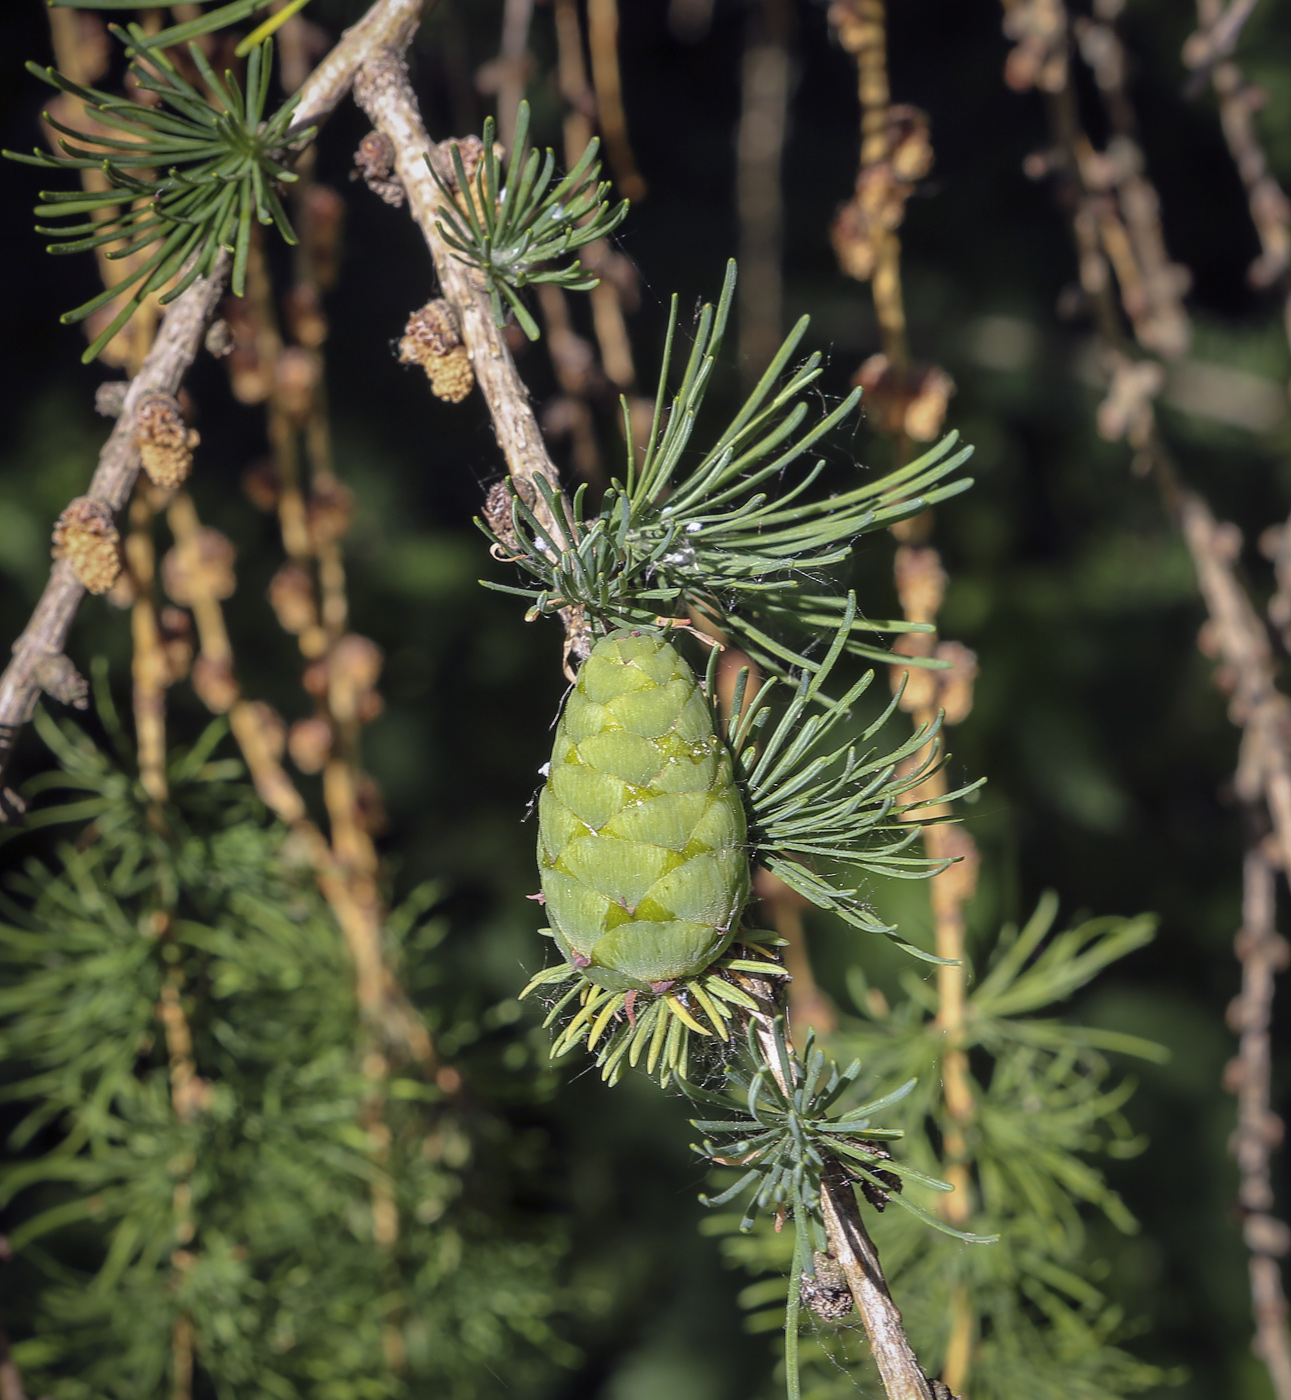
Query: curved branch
38, 651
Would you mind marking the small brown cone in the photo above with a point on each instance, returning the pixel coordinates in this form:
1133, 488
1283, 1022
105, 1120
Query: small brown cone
165, 444
86, 536
433, 340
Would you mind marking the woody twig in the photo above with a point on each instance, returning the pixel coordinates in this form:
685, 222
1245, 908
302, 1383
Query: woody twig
1234, 634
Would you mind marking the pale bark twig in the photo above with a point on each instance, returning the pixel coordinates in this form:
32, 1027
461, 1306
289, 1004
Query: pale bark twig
1219, 38
849, 1241
389, 24
1262, 953
383, 91
44, 636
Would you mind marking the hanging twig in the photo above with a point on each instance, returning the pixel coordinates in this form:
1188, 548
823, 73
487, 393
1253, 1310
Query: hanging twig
603, 40
1218, 38
764, 116
1236, 636
1262, 953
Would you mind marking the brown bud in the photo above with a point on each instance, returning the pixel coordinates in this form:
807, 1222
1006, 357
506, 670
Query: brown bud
358, 660
368, 704
1234, 1075
921, 583
291, 595
215, 684
433, 339
305, 318
176, 629
205, 570
218, 340
1266, 1234
86, 536
330, 510
929, 390
1209, 640
374, 161
309, 742
249, 377
955, 686
261, 484
1226, 541
296, 377
909, 144
272, 727
353, 668
110, 397
165, 444
321, 231
369, 810
314, 678
857, 25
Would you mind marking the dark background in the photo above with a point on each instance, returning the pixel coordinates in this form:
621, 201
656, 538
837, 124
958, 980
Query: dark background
1107, 748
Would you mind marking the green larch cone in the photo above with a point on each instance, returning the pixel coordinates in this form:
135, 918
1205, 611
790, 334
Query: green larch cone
642, 833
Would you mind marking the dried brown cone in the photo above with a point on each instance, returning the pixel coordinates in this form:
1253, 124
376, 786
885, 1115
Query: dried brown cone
87, 537
433, 340
176, 629
296, 377
914, 403
352, 671
374, 161
291, 595
330, 510
165, 444
207, 570
309, 742
215, 683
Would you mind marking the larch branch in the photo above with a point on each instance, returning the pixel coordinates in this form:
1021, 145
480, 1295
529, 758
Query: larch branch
38, 651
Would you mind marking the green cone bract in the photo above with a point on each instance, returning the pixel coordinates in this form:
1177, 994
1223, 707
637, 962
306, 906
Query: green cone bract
641, 831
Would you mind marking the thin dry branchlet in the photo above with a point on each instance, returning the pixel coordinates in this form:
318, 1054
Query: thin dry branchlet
877, 206
433, 339
291, 595
87, 537
165, 443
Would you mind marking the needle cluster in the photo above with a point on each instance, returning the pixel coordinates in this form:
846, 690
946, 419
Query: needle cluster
705, 532
186, 178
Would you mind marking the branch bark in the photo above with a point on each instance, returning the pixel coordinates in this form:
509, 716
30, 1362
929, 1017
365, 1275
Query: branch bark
389, 24
1263, 953
849, 1241
42, 640
383, 91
